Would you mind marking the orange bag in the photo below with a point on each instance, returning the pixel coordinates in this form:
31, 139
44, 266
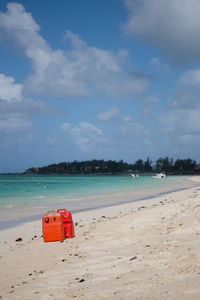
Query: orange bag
52, 227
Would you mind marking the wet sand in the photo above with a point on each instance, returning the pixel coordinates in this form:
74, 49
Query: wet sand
140, 250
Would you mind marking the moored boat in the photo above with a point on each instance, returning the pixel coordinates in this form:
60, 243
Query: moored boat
159, 176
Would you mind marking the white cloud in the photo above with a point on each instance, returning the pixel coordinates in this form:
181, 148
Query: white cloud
78, 72
191, 78
16, 112
149, 106
157, 63
181, 122
179, 125
132, 139
13, 123
172, 26
74, 40
9, 90
128, 137
109, 115
85, 135
131, 129
126, 118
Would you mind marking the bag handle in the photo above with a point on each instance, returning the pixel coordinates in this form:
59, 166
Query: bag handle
62, 210
51, 212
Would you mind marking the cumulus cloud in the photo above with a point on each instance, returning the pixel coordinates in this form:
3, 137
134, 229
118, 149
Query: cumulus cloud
129, 137
112, 113
13, 123
172, 26
179, 124
17, 112
191, 78
85, 135
9, 90
78, 72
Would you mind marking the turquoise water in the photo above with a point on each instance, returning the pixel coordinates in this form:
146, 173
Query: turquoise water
18, 190
27, 197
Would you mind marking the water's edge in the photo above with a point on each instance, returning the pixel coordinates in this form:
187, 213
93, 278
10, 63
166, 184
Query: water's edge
5, 224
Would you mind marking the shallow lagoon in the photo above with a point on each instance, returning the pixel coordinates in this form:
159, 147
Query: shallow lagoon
22, 196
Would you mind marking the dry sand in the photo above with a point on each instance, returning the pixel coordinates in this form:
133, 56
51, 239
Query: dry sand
143, 250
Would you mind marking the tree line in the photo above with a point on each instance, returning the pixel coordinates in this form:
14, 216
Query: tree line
170, 166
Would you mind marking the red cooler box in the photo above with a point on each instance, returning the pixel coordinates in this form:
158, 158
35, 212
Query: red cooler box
67, 222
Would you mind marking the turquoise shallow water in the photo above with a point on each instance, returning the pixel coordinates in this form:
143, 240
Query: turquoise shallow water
20, 190
24, 198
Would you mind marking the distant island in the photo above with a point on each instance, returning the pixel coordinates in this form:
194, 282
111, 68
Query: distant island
179, 166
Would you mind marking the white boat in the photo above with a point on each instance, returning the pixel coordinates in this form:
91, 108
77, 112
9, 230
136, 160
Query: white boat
134, 175
159, 176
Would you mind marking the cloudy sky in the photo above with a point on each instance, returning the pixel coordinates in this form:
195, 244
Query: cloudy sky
117, 79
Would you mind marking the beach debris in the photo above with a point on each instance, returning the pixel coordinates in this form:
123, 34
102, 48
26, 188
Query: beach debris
80, 279
132, 258
63, 259
103, 217
76, 224
18, 240
141, 207
115, 292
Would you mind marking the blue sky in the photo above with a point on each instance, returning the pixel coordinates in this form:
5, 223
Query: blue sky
117, 79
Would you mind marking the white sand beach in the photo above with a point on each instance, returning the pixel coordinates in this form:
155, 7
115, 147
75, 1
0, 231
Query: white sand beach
141, 250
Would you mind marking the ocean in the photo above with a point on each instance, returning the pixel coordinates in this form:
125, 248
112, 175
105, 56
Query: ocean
32, 195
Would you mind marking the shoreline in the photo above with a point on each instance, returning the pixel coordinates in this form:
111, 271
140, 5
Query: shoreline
139, 250
19, 220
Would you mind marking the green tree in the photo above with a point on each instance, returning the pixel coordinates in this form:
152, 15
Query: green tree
148, 165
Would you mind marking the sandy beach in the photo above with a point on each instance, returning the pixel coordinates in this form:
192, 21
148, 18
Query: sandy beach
141, 250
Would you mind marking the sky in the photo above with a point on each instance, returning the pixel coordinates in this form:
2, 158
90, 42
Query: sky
98, 79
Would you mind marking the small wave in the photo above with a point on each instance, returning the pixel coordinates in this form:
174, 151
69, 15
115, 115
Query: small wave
39, 197
9, 206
